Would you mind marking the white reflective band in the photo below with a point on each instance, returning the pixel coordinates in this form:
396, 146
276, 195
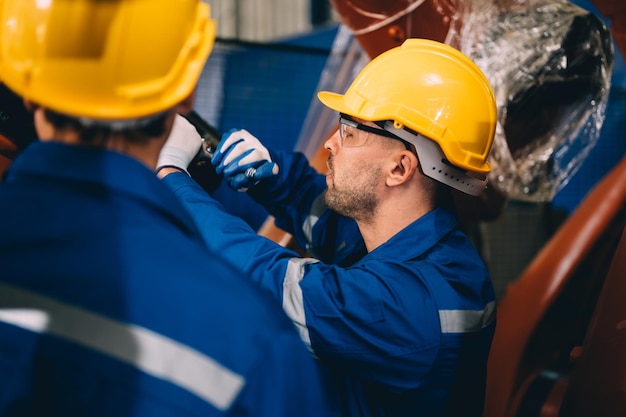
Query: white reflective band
144, 349
293, 301
317, 209
466, 321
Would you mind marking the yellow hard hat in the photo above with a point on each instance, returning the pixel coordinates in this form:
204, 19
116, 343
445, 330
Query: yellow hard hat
104, 60
432, 89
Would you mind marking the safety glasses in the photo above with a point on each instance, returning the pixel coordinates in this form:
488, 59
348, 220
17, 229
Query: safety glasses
351, 139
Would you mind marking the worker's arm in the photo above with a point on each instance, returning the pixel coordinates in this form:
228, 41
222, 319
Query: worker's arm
292, 192
352, 334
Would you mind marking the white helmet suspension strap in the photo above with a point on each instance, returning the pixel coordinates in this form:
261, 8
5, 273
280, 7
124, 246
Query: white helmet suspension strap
436, 166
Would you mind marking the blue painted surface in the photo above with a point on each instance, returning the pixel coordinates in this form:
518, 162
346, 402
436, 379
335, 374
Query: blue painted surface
267, 91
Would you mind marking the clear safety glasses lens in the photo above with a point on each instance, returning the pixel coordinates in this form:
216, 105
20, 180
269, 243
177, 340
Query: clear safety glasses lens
350, 137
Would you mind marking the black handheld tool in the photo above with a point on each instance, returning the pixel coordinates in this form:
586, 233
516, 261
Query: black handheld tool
200, 167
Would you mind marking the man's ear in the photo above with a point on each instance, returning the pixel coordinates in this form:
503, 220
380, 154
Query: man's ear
43, 128
405, 166
30, 106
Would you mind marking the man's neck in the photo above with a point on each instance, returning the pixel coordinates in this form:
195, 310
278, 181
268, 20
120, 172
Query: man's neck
146, 153
391, 217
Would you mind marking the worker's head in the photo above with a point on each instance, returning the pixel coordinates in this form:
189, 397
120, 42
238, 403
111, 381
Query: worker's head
116, 63
433, 97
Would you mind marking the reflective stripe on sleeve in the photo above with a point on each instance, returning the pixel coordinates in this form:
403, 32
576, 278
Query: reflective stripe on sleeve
317, 209
466, 321
293, 301
139, 347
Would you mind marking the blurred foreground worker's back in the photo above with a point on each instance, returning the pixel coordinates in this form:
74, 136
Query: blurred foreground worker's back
110, 302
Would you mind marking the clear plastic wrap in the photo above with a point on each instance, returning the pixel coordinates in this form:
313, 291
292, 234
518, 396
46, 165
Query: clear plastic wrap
549, 62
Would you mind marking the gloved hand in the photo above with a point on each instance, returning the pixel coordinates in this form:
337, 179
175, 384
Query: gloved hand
181, 146
243, 160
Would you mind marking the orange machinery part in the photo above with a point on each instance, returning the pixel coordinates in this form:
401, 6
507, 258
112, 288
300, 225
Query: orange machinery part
615, 10
432, 19
570, 268
598, 385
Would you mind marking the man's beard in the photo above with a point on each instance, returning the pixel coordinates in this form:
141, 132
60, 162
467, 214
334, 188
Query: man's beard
357, 199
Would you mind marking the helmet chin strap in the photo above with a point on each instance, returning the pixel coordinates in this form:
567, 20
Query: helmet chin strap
436, 166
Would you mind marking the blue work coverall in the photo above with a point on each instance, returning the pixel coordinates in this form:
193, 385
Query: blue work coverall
403, 331
111, 304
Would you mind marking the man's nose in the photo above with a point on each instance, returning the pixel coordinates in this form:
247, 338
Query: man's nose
333, 141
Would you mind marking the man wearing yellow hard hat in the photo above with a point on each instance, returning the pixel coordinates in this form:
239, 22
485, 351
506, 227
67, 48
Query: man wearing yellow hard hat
394, 301
110, 302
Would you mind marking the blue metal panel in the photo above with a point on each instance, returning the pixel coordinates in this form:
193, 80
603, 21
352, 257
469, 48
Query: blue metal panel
267, 91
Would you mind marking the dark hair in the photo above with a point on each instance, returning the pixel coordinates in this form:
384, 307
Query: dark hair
98, 133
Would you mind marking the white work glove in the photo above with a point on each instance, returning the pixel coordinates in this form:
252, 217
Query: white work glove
243, 160
181, 146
